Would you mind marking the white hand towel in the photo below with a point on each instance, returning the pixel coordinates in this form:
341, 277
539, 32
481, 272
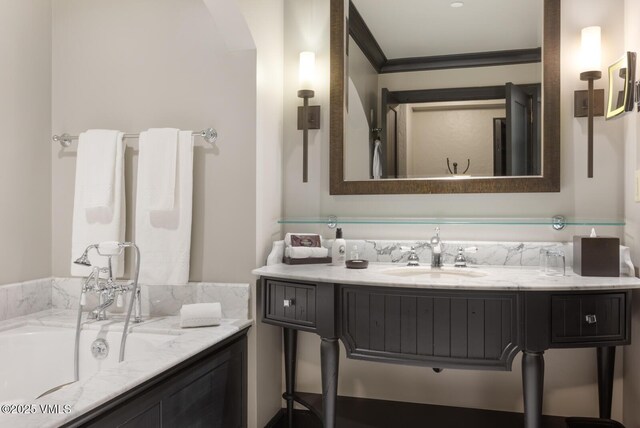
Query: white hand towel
306, 252
161, 157
99, 200
164, 236
200, 314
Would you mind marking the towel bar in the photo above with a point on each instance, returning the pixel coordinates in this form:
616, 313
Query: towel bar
210, 135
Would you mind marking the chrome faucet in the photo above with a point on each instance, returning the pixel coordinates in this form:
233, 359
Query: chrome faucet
436, 250
108, 291
413, 259
102, 282
461, 259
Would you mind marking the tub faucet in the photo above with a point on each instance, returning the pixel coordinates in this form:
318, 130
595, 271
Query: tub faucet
109, 290
436, 250
102, 282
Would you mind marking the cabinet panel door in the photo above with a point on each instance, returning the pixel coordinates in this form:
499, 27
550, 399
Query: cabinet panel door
429, 327
583, 319
291, 303
209, 393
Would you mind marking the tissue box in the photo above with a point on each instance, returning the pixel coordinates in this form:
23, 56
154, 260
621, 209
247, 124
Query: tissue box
599, 256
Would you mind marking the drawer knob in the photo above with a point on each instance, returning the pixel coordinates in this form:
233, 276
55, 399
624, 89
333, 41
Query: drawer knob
590, 319
288, 303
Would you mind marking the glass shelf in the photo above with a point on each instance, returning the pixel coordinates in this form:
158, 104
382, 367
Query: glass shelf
557, 222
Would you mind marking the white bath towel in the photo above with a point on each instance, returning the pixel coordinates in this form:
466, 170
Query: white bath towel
99, 201
164, 236
200, 314
162, 159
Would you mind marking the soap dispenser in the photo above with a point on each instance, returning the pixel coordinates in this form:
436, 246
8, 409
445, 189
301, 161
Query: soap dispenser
339, 250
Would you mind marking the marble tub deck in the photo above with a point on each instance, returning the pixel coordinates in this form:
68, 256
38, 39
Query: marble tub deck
107, 384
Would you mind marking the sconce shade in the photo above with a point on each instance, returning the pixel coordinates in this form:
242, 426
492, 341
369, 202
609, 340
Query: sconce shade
591, 52
307, 70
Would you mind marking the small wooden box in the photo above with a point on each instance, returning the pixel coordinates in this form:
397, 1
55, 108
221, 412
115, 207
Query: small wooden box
598, 256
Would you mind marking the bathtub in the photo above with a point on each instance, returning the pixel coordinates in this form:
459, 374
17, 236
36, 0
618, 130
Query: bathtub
35, 359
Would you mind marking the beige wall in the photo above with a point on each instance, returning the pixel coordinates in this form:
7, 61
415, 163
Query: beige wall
632, 230
25, 121
455, 134
132, 65
570, 384
265, 20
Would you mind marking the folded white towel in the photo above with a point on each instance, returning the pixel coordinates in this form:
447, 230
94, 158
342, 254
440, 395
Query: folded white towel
164, 237
99, 200
305, 252
200, 314
161, 157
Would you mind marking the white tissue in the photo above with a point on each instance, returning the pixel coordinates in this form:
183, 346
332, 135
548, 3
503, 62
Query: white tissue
200, 314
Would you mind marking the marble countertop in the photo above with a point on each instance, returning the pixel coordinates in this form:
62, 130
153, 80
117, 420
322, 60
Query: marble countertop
109, 383
473, 278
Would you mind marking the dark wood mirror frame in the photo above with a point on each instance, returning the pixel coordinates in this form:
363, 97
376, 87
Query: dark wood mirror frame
548, 182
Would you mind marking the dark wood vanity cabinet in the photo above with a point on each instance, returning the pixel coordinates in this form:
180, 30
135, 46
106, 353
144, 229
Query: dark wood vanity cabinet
432, 328
208, 390
448, 328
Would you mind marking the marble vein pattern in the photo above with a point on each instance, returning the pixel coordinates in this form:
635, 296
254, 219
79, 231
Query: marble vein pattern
109, 383
24, 298
162, 300
489, 253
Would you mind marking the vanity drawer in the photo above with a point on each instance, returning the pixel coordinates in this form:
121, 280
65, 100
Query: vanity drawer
589, 318
470, 329
290, 303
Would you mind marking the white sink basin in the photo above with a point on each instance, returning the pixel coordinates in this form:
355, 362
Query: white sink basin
434, 273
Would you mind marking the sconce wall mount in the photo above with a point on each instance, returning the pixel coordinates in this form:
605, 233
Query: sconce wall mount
308, 116
591, 64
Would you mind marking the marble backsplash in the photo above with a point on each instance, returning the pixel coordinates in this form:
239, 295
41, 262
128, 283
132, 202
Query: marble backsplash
160, 300
28, 297
489, 253
24, 298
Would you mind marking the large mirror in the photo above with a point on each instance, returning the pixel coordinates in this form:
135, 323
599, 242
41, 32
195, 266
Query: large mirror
444, 97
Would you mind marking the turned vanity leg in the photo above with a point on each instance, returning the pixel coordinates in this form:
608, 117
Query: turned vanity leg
290, 350
329, 358
606, 365
532, 384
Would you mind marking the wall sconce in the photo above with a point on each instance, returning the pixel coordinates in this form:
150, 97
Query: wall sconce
591, 64
308, 116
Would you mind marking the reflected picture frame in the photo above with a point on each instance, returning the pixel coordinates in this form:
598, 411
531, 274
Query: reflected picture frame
622, 101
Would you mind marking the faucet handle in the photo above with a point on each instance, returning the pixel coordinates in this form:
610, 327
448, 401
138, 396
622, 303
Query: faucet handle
413, 259
470, 250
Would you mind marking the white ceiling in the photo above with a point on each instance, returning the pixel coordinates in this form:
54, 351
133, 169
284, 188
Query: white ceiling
411, 28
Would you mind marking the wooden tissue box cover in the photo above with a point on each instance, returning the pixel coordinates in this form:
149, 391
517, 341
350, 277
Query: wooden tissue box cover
598, 256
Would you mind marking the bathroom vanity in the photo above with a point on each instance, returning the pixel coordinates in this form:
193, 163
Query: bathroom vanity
457, 318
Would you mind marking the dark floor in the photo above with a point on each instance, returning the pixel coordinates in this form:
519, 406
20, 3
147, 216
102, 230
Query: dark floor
366, 413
